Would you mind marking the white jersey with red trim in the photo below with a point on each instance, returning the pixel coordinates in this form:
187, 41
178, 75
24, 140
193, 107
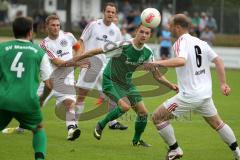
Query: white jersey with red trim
61, 48
97, 34
194, 78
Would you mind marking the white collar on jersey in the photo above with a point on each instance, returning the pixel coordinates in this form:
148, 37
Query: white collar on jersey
23, 40
183, 35
135, 47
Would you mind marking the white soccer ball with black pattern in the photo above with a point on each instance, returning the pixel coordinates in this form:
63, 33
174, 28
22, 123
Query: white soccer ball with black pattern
150, 17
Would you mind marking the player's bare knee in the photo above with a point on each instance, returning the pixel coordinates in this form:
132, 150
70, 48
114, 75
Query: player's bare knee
215, 122
143, 113
160, 115
125, 108
81, 94
38, 128
157, 117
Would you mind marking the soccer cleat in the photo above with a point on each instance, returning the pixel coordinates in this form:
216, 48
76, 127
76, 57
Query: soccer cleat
98, 132
174, 154
141, 143
73, 133
237, 154
13, 130
118, 125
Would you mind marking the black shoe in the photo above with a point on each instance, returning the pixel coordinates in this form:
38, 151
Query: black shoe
98, 131
118, 125
73, 134
141, 143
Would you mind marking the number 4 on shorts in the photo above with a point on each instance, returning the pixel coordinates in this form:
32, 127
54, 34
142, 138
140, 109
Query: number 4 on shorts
17, 66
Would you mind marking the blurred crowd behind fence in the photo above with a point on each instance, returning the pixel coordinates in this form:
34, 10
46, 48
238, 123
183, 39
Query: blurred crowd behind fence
225, 12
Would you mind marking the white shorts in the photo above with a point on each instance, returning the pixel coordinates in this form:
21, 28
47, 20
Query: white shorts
177, 106
60, 97
92, 77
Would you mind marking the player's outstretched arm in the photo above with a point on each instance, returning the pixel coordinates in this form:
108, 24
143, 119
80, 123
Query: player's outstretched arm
163, 80
88, 54
173, 62
221, 76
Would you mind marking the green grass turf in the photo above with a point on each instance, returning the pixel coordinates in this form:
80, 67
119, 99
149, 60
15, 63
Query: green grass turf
197, 139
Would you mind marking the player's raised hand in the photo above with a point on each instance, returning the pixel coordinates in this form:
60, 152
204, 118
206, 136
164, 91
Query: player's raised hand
175, 87
225, 89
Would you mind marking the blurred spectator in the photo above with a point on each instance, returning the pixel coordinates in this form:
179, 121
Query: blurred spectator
39, 17
19, 14
166, 15
130, 18
125, 35
211, 23
83, 23
137, 18
36, 21
165, 42
207, 35
195, 24
186, 14
203, 21
127, 8
3, 11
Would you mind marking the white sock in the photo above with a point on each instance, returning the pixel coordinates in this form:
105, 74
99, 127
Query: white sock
166, 131
111, 123
70, 118
226, 134
79, 108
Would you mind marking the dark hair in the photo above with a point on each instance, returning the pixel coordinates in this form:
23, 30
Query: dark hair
181, 20
22, 26
110, 4
51, 17
138, 26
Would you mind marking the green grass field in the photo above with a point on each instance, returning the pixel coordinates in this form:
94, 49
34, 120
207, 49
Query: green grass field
197, 139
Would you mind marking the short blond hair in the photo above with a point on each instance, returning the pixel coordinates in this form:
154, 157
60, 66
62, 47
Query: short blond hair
51, 17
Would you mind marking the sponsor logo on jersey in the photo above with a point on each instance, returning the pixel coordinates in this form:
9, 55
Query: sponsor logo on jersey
104, 36
200, 72
63, 43
139, 61
104, 39
60, 53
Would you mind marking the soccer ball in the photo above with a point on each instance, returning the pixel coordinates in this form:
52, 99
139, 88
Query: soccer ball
150, 17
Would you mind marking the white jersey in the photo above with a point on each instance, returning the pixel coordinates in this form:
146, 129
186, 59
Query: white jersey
61, 48
194, 78
97, 34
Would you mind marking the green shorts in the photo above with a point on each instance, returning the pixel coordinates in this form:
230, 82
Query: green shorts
27, 120
116, 91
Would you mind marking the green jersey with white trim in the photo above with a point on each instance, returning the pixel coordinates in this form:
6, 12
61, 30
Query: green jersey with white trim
20, 63
120, 68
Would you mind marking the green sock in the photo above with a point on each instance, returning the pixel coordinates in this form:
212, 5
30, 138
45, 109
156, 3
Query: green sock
39, 144
140, 125
113, 114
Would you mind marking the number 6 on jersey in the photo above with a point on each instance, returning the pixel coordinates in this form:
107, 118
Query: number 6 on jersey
17, 67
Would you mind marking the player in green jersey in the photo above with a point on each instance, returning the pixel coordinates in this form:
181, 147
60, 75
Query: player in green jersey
117, 81
21, 62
